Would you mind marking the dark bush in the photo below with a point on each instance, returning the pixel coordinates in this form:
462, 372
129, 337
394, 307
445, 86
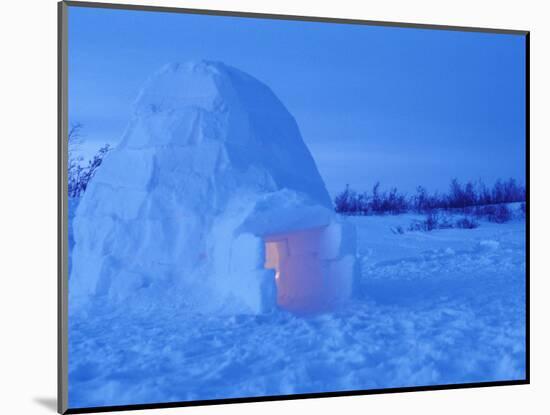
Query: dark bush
466, 223
481, 212
502, 214
79, 176
494, 213
398, 230
433, 220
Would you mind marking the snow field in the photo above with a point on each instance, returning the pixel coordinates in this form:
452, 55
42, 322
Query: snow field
442, 307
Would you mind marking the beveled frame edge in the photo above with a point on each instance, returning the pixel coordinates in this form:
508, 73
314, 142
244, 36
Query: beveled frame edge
528, 207
230, 13
62, 399
62, 209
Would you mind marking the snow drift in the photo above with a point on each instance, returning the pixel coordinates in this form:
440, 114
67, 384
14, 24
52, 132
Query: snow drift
212, 201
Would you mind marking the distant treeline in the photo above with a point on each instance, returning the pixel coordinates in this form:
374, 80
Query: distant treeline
459, 196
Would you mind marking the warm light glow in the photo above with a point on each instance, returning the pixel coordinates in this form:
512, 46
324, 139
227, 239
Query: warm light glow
297, 268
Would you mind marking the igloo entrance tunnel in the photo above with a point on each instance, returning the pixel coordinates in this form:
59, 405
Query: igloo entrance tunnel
211, 201
310, 272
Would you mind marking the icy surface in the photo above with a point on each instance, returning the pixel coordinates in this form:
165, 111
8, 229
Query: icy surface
210, 164
447, 306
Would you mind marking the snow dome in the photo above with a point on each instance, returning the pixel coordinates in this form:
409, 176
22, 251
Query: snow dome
212, 201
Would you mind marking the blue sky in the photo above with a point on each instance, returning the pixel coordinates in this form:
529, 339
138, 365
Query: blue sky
400, 106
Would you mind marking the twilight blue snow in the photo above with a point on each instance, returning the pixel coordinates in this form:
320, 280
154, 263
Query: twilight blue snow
208, 259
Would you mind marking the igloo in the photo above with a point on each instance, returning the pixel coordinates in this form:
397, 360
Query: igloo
211, 201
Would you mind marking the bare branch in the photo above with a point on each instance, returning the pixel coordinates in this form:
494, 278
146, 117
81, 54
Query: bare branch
75, 132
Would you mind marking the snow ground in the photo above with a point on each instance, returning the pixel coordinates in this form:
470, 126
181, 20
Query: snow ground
439, 307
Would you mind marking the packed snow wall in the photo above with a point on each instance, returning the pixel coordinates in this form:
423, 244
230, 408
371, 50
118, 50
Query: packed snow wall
211, 168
